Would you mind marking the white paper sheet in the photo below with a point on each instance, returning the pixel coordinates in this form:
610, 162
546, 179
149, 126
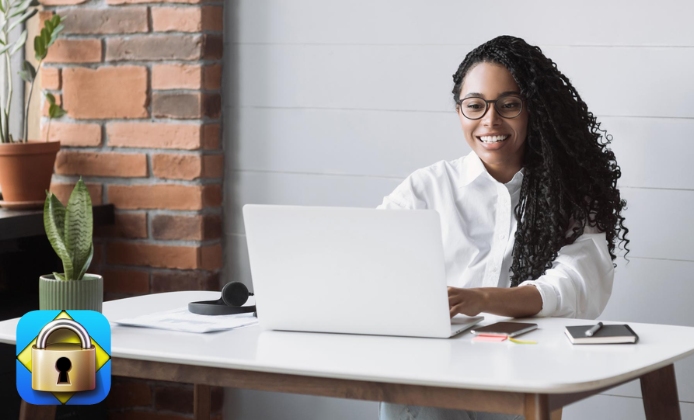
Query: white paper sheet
181, 319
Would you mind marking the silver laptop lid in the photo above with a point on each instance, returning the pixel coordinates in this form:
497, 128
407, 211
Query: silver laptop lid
348, 270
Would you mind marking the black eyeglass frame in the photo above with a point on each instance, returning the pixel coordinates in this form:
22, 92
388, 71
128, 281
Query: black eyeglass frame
486, 102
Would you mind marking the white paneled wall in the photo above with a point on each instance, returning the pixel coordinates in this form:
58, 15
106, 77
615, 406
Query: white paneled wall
334, 103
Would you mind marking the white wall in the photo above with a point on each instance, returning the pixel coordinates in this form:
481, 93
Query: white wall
334, 103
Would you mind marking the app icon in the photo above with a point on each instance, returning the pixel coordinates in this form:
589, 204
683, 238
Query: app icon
63, 357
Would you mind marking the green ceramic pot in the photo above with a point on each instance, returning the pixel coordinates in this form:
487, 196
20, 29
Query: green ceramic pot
87, 293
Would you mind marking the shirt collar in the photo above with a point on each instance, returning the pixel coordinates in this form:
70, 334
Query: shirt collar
473, 168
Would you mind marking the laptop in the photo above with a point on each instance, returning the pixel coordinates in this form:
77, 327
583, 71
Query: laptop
350, 270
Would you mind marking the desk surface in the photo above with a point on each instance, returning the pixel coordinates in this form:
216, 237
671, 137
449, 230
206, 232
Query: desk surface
553, 365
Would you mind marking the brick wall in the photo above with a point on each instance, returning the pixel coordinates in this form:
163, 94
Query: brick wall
140, 80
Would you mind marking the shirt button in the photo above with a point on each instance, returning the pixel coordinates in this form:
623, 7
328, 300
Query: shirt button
502, 236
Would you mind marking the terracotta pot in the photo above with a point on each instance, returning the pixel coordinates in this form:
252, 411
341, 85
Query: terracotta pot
26, 169
87, 293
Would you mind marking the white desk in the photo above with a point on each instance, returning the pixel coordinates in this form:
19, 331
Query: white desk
453, 373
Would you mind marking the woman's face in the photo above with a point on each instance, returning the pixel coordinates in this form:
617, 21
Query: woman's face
490, 81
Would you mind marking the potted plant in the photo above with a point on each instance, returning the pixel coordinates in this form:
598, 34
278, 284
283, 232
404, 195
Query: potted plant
26, 166
69, 230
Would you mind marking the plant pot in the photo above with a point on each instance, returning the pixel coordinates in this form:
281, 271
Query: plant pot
87, 293
26, 170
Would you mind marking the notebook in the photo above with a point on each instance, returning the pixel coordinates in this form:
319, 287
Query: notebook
608, 334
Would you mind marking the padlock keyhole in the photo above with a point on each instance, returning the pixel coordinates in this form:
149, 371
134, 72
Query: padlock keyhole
63, 365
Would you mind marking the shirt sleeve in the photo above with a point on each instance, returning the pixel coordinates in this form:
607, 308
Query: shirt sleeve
408, 195
579, 284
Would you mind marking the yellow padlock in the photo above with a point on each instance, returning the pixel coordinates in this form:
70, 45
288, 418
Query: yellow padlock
63, 367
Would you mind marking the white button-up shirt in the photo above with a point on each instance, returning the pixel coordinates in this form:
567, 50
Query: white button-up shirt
478, 227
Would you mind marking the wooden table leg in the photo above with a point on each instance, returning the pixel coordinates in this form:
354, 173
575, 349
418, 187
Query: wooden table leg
202, 402
659, 390
537, 407
36, 412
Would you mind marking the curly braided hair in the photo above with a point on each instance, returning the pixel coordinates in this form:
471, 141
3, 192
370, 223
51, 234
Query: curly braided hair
570, 174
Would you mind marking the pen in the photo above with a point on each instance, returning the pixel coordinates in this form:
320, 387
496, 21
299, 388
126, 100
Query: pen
593, 330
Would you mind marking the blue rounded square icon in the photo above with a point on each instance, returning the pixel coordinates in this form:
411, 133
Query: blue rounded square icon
63, 357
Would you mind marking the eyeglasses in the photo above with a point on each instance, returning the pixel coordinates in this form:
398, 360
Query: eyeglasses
508, 106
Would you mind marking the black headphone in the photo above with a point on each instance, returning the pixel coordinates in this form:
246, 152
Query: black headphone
234, 295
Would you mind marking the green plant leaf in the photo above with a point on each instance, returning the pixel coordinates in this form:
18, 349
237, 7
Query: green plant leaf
79, 226
45, 36
87, 263
22, 5
20, 42
24, 18
56, 111
50, 98
54, 35
5, 48
58, 276
54, 223
40, 50
28, 72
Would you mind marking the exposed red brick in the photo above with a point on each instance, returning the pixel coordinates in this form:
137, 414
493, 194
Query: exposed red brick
129, 282
213, 47
106, 92
131, 225
156, 135
153, 1
196, 228
165, 196
126, 393
62, 191
61, 2
176, 19
74, 51
177, 76
156, 47
187, 19
50, 78
84, 20
70, 134
101, 164
177, 280
177, 166
212, 18
186, 105
212, 166
212, 195
212, 77
163, 256
211, 257
97, 258
211, 137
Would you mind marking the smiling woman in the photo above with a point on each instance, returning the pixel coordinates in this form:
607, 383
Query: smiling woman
534, 204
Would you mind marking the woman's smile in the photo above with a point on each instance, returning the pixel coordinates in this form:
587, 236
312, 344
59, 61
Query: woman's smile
498, 141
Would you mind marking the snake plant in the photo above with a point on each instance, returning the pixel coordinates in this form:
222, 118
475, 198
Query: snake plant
69, 230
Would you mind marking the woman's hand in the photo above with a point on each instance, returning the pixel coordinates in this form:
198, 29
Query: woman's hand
468, 302
515, 302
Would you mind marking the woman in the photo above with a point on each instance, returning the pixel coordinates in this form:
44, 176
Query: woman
530, 218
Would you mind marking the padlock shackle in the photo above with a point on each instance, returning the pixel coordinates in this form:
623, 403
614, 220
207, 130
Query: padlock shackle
58, 324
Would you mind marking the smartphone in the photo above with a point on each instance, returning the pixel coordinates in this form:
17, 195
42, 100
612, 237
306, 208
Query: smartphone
510, 329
